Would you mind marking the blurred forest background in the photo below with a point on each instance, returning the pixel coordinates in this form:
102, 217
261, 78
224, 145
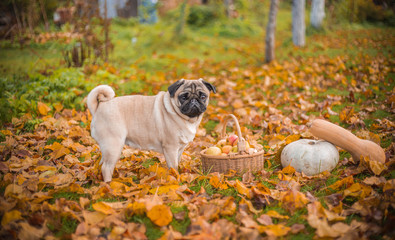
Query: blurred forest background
155, 39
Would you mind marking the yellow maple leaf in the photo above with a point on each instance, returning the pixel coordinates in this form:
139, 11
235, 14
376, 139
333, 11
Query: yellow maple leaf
160, 215
10, 217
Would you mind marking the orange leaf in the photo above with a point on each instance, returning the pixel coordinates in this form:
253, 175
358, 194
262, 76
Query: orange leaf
43, 109
250, 206
137, 207
58, 150
160, 215
242, 189
348, 181
288, 170
44, 168
103, 208
358, 190
164, 189
275, 230
229, 207
292, 138
275, 214
93, 218
215, 181
293, 200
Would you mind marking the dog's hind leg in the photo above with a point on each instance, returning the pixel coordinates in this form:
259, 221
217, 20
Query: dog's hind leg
110, 156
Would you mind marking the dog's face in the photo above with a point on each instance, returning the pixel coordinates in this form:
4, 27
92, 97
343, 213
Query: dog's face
191, 96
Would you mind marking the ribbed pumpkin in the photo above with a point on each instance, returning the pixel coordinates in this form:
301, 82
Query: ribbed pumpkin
310, 156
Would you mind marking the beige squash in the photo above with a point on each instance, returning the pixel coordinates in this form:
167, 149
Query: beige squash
346, 140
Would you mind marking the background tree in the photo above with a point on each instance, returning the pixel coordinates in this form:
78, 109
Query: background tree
270, 32
298, 22
317, 13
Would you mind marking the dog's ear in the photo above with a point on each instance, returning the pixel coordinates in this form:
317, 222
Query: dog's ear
208, 85
173, 88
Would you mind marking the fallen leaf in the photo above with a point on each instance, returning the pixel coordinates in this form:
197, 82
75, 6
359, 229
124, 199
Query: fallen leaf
160, 215
10, 217
103, 208
43, 109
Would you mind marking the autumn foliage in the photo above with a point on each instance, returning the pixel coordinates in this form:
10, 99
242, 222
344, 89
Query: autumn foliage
51, 182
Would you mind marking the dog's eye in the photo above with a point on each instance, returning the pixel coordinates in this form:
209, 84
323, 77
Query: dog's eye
184, 97
203, 96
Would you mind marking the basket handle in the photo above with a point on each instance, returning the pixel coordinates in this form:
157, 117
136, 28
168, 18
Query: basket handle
241, 146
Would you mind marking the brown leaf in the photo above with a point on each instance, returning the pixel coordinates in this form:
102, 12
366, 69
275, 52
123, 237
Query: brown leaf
265, 220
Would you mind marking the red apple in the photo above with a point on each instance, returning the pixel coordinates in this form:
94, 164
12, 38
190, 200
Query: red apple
232, 139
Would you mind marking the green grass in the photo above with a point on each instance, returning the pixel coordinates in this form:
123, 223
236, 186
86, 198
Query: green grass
210, 125
67, 226
153, 231
149, 162
180, 225
66, 195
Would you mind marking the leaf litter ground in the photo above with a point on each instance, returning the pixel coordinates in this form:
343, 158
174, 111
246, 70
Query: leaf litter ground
51, 182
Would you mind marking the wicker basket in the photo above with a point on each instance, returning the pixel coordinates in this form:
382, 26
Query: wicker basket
241, 163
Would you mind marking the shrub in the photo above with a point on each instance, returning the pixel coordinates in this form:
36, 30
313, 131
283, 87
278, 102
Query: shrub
20, 95
200, 15
366, 10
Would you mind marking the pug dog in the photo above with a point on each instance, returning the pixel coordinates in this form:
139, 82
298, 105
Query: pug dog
164, 123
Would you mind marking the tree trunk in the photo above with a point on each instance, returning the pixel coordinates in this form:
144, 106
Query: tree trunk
298, 23
317, 13
179, 30
106, 32
270, 32
44, 13
229, 5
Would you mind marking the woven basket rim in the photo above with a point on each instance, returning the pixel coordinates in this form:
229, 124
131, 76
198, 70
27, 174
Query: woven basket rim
231, 157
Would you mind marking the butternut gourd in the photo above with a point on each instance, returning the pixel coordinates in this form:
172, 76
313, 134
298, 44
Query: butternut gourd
345, 139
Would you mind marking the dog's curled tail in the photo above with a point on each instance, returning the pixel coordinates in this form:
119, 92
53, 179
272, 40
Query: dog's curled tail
99, 94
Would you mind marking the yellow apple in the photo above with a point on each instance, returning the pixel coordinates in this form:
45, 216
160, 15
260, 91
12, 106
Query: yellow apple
234, 149
221, 143
215, 151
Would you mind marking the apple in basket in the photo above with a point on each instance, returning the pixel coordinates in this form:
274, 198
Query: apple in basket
228, 146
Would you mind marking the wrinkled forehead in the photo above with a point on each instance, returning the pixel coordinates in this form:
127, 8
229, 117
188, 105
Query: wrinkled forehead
193, 86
